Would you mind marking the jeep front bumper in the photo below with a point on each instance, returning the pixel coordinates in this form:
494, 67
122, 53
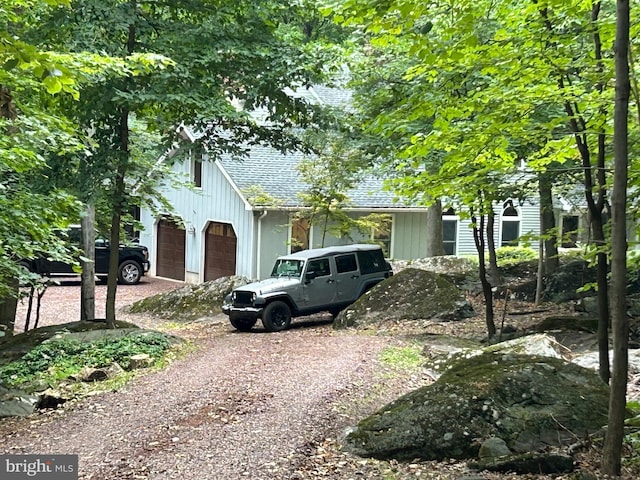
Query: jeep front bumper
242, 312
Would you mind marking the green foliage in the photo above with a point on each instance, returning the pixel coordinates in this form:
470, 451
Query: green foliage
513, 255
633, 267
330, 175
57, 359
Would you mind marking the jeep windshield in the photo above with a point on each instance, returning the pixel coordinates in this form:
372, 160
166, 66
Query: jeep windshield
287, 268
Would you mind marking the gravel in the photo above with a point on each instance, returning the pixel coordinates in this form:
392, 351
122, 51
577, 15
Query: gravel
242, 405
239, 406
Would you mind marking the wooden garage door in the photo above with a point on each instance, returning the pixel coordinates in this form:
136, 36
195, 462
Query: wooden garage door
170, 261
220, 251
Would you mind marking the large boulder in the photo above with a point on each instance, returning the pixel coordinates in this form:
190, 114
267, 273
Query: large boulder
412, 294
531, 402
191, 301
460, 271
14, 403
564, 284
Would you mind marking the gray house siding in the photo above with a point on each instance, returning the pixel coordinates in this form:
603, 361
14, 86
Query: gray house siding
409, 235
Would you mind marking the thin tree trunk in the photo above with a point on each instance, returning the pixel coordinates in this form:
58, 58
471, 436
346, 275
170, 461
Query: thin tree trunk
8, 308
548, 225
491, 248
88, 282
435, 246
119, 193
478, 237
612, 450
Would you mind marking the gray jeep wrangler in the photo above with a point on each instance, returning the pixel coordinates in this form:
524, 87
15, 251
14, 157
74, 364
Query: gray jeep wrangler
310, 281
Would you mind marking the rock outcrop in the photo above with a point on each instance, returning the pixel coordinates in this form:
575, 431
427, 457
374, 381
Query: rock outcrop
411, 294
531, 402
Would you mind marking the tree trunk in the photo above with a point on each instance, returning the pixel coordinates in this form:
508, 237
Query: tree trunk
119, 193
612, 450
478, 237
548, 224
88, 278
8, 308
496, 278
435, 247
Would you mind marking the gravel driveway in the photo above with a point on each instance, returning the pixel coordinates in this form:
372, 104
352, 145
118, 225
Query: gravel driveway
61, 303
242, 405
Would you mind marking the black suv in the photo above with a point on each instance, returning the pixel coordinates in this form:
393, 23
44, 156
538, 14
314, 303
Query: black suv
132, 265
322, 279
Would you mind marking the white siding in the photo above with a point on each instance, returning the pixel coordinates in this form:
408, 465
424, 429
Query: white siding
216, 201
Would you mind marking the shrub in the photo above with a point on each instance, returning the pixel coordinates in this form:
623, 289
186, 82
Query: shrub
57, 359
512, 255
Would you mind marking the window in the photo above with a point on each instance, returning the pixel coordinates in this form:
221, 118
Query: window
319, 268
300, 230
449, 232
371, 261
570, 224
196, 166
382, 234
346, 263
510, 225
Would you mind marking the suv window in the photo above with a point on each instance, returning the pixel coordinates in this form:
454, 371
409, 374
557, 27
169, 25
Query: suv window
346, 263
319, 267
371, 261
290, 268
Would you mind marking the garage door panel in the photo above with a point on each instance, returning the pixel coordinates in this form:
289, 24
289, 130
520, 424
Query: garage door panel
170, 261
220, 251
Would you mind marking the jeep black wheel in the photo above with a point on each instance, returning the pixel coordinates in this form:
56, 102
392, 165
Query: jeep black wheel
129, 272
276, 316
243, 324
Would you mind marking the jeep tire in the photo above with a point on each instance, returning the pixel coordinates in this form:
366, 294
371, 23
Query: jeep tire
129, 272
276, 316
244, 324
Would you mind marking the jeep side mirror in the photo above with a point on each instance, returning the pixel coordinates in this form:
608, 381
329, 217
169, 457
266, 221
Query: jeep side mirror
311, 275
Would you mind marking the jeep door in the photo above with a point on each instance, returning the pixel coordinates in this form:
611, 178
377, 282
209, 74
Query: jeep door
319, 284
347, 278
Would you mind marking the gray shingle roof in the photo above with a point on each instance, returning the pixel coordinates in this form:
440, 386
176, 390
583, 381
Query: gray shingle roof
275, 174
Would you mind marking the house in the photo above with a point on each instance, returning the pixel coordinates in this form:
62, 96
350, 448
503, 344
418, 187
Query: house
220, 229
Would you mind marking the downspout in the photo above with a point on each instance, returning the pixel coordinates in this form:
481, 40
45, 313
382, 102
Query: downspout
259, 246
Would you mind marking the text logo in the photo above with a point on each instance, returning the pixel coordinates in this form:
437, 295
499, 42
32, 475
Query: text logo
50, 467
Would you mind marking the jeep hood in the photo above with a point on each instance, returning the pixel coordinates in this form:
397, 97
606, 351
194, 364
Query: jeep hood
270, 285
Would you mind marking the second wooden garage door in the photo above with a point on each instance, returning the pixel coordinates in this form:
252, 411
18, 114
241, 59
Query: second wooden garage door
220, 251
170, 261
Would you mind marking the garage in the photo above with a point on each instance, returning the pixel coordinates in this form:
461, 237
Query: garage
220, 251
170, 261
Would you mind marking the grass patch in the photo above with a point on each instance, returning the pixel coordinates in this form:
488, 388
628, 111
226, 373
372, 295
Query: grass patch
403, 358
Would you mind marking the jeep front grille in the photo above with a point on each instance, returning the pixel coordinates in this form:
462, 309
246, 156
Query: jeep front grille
243, 299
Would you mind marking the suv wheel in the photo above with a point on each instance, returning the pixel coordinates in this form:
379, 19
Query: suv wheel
276, 316
129, 272
243, 324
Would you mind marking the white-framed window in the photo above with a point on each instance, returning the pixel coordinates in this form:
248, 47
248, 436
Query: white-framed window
509, 225
450, 231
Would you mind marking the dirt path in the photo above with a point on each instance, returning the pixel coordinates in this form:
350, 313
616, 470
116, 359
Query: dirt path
251, 405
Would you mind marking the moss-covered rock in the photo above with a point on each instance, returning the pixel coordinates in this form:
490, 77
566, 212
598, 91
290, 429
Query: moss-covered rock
411, 294
190, 301
530, 402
